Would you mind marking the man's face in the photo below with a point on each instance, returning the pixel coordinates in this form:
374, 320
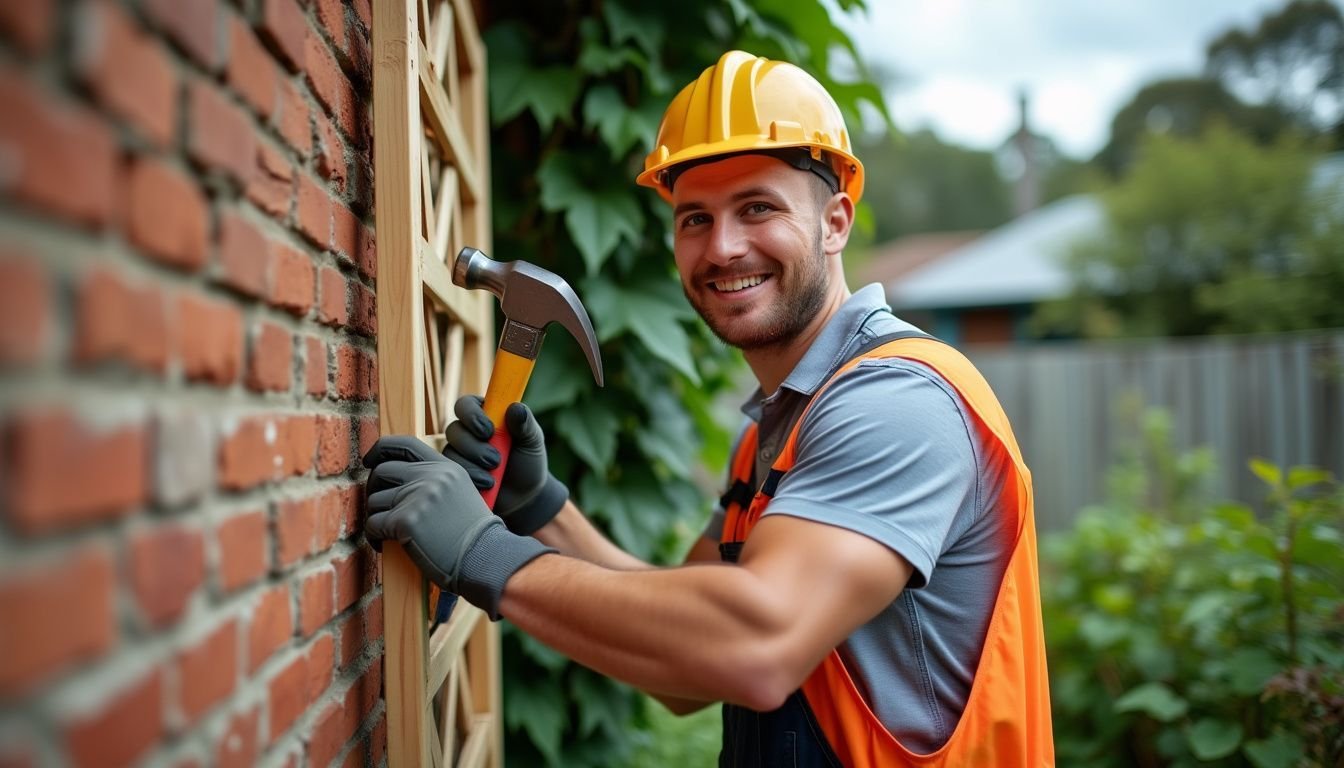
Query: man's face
747, 234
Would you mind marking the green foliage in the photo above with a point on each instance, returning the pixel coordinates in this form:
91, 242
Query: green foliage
1215, 235
576, 94
1183, 632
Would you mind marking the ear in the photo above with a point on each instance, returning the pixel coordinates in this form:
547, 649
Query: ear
837, 219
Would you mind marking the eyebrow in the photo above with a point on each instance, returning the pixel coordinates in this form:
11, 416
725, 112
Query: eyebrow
694, 205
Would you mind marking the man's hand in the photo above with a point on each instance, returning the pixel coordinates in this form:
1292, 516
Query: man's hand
428, 504
529, 496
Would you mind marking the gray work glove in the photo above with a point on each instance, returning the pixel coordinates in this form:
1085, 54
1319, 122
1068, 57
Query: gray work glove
529, 497
429, 505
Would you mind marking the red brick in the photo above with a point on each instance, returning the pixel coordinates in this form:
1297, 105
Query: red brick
330, 153
330, 85
168, 218
345, 227
333, 445
368, 433
332, 309
320, 659
352, 578
271, 186
52, 143
122, 729
333, 729
192, 24
299, 444
243, 549
293, 279
354, 373
211, 344
271, 367
113, 467
128, 71
351, 630
271, 627
352, 507
252, 73
284, 27
364, 10
367, 254
378, 739
292, 120
266, 448
288, 695
167, 565
364, 317
373, 620
121, 322
25, 309
238, 748
220, 136
29, 24
331, 15
244, 255
314, 216
295, 530
316, 606
208, 672
49, 641
315, 370
359, 56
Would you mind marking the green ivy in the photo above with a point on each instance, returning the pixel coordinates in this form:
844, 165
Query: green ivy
577, 90
1183, 632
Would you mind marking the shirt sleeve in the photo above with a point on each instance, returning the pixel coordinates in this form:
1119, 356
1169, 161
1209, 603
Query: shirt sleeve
886, 452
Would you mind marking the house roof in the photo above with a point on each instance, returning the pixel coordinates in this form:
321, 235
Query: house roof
895, 259
1020, 262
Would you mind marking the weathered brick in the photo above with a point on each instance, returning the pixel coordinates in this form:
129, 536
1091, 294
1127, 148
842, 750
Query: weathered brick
271, 187
316, 601
332, 308
368, 433
364, 10
373, 620
25, 309
243, 548
315, 367
314, 214
333, 445
118, 321
168, 218
284, 27
49, 641
359, 57
252, 73
293, 279
367, 256
220, 137
292, 120
208, 671
364, 317
299, 444
295, 530
112, 463
244, 255
239, 747
331, 15
271, 366
351, 631
211, 345
272, 625
321, 664
353, 579
250, 453
329, 84
288, 695
122, 729
128, 71
330, 153
351, 501
345, 227
29, 24
339, 722
185, 465
378, 739
193, 25
167, 566
56, 142
356, 374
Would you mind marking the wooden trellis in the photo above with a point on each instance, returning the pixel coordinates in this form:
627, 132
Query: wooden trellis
435, 340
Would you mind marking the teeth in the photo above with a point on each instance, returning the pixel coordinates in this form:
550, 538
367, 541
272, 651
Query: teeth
738, 283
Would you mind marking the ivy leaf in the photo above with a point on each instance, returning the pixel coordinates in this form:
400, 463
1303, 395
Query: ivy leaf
1268, 472
1154, 699
632, 508
552, 660
619, 126
625, 24
599, 701
669, 435
558, 378
596, 218
1212, 739
590, 429
540, 708
1282, 750
1249, 669
652, 311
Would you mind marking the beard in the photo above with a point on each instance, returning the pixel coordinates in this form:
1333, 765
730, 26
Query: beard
803, 291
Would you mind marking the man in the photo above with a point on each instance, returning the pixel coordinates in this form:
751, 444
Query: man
878, 604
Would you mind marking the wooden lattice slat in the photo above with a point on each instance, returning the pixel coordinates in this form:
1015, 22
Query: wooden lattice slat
435, 342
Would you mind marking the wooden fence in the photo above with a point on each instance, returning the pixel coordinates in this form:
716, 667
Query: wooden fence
1277, 397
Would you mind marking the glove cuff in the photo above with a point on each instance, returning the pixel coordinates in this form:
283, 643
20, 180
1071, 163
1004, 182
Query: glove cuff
491, 562
540, 510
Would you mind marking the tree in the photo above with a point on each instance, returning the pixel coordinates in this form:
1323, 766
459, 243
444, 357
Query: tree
1214, 235
577, 90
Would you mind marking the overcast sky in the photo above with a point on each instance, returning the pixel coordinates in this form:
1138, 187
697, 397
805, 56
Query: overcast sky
963, 61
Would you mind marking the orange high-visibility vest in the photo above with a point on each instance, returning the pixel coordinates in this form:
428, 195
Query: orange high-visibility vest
1006, 721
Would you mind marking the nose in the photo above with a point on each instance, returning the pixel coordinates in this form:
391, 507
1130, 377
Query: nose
727, 241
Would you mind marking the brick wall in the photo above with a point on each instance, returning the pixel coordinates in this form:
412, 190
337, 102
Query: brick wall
187, 381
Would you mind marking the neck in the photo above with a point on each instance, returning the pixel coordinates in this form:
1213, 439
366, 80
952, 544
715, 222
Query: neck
772, 364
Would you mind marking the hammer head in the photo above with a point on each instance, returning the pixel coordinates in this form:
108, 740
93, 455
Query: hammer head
531, 296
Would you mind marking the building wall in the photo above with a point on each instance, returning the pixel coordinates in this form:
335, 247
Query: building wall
187, 381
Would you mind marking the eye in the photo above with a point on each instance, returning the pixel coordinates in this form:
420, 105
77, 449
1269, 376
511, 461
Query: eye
756, 209
694, 220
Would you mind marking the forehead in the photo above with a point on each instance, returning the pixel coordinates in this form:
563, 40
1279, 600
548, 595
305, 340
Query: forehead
708, 182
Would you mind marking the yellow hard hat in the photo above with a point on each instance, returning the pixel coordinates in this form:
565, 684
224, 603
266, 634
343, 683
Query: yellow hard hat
748, 103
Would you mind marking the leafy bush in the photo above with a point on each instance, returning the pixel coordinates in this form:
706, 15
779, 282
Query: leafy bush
1182, 632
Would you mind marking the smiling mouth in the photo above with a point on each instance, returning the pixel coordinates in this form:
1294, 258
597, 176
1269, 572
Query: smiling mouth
735, 284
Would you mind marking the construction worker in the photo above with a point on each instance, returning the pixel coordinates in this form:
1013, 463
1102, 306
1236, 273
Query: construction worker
866, 592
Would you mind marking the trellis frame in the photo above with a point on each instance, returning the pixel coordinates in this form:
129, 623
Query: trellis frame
435, 340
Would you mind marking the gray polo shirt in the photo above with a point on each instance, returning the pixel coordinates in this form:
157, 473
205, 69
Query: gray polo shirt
890, 452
